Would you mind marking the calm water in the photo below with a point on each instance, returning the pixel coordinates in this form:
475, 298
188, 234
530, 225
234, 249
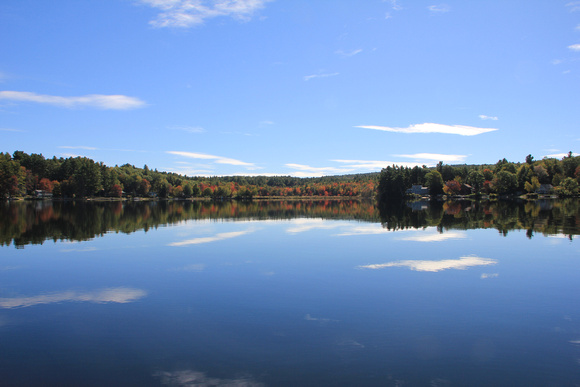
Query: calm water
289, 294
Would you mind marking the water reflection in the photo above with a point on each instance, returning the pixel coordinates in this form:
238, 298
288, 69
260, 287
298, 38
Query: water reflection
23, 223
116, 295
187, 378
217, 237
428, 236
434, 266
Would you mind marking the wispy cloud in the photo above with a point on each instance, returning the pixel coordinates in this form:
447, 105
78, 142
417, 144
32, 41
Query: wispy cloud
78, 147
441, 8
188, 13
435, 266
395, 5
118, 295
309, 77
307, 170
560, 155
574, 47
373, 165
216, 159
433, 128
484, 117
189, 129
105, 102
489, 275
73, 155
573, 6
215, 238
348, 53
435, 157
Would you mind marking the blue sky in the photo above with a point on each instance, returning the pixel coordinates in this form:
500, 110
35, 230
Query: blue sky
301, 88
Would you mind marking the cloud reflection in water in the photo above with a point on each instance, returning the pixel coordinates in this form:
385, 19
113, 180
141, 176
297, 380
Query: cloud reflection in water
116, 295
434, 266
191, 378
217, 237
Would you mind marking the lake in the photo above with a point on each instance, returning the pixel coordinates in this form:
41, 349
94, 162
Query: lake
290, 293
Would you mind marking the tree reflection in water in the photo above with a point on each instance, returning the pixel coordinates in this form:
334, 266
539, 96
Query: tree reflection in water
23, 223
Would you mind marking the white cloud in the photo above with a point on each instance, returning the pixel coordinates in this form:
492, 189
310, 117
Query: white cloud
317, 171
489, 275
217, 159
78, 147
435, 157
309, 77
188, 13
574, 47
441, 8
560, 155
73, 155
117, 295
484, 117
216, 238
435, 266
348, 53
106, 102
433, 128
373, 165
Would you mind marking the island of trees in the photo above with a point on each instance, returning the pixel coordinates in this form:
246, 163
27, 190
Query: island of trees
33, 175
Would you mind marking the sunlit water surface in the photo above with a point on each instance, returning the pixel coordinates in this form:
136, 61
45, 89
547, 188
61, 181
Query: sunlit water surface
303, 301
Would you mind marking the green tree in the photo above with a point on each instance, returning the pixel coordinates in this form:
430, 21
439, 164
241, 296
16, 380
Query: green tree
505, 182
434, 181
533, 185
475, 179
567, 187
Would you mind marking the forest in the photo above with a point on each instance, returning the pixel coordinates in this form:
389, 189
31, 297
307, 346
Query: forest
31, 175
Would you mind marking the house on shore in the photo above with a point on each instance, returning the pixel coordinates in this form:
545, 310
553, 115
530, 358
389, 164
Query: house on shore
41, 194
418, 189
545, 189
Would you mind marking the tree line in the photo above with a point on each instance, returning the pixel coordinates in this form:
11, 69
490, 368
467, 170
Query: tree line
560, 177
23, 174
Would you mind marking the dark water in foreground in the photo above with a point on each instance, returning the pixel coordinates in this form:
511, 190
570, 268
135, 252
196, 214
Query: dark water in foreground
289, 294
